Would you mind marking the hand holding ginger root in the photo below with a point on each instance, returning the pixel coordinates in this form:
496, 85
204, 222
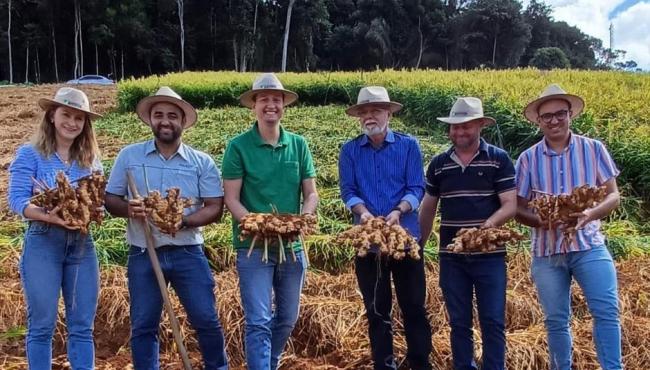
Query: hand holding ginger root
472, 239
166, 213
79, 206
392, 240
272, 227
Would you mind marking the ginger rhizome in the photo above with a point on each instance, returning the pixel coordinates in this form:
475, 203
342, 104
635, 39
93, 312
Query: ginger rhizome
78, 206
271, 227
473, 240
166, 213
391, 240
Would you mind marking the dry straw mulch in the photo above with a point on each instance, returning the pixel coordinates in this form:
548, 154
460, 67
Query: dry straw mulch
331, 332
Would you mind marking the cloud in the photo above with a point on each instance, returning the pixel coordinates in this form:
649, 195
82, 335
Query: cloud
593, 17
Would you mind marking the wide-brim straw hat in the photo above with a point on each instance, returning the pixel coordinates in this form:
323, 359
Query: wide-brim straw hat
71, 98
165, 95
466, 109
373, 95
267, 82
554, 91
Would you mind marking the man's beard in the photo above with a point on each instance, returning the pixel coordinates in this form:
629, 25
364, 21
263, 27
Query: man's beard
169, 138
376, 130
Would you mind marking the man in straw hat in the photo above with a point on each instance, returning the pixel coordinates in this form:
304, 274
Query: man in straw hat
266, 169
559, 163
158, 165
380, 174
474, 182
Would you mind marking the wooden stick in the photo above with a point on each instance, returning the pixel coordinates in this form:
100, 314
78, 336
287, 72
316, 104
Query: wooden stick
151, 250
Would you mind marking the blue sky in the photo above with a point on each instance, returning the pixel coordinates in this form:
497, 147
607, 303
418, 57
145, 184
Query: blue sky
631, 20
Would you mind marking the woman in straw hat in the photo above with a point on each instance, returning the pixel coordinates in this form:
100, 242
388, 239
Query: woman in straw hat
56, 256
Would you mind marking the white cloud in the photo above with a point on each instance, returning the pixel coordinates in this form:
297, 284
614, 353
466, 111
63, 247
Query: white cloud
631, 26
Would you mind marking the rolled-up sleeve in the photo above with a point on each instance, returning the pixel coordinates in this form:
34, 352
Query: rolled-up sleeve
21, 172
347, 184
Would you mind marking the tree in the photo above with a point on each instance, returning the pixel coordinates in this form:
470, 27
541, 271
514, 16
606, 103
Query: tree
181, 6
287, 26
11, 64
550, 58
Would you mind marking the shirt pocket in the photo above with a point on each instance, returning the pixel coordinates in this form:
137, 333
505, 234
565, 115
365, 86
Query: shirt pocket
187, 179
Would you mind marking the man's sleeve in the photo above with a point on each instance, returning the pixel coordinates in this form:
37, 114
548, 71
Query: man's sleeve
505, 176
347, 184
606, 168
307, 169
210, 179
414, 177
232, 166
432, 186
522, 176
117, 180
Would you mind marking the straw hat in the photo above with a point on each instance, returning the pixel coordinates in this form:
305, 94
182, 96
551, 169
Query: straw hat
466, 109
165, 95
554, 91
71, 98
373, 95
266, 82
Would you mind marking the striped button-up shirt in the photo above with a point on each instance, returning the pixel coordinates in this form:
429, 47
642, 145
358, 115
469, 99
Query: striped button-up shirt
31, 163
381, 178
540, 170
469, 195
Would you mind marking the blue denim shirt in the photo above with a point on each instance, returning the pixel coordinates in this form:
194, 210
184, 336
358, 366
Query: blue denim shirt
381, 178
193, 171
29, 163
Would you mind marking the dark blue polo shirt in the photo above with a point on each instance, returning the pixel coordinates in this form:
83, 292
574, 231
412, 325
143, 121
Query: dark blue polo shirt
468, 195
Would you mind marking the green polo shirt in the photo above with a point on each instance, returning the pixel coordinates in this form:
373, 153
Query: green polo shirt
271, 175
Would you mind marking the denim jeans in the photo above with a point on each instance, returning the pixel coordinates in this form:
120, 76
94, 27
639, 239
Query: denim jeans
460, 277
374, 278
261, 284
595, 273
56, 260
186, 269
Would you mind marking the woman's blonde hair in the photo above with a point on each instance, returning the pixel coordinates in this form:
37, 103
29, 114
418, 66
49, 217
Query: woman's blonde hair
84, 148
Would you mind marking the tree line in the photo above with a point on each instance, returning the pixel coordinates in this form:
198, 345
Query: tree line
54, 40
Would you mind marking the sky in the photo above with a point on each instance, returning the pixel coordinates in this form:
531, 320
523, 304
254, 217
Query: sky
630, 18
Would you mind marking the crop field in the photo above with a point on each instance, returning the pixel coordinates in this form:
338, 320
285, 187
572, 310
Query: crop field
331, 332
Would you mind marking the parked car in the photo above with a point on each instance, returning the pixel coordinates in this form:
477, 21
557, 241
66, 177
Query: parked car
92, 79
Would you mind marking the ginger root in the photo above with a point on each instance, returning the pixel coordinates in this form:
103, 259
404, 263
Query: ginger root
391, 240
472, 239
79, 206
269, 227
166, 213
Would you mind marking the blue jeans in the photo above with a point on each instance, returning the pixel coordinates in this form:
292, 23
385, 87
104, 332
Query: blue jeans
595, 273
374, 277
460, 277
260, 283
53, 260
186, 269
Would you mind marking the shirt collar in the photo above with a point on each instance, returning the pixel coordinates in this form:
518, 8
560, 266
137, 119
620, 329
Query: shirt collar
390, 138
150, 147
482, 147
550, 152
283, 140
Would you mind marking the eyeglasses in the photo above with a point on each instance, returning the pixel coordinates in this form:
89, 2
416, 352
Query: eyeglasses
560, 115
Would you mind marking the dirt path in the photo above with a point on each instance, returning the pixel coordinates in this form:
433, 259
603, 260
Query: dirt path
20, 114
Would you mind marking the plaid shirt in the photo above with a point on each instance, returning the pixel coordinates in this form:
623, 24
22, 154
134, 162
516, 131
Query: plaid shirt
540, 170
